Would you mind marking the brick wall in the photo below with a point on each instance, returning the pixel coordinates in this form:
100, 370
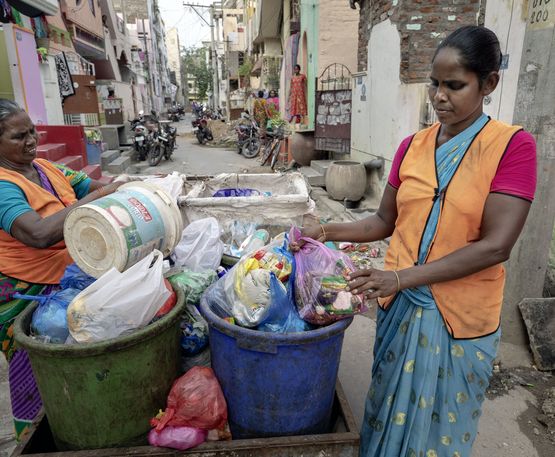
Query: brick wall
422, 24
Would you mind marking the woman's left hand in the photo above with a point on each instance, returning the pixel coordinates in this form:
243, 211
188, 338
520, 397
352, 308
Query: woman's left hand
373, 283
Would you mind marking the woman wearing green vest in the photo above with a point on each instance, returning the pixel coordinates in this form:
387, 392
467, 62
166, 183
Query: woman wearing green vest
457, 198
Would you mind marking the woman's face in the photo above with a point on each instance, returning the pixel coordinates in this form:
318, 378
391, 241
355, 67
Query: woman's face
273, 94
455, 92
297, 70
19, 139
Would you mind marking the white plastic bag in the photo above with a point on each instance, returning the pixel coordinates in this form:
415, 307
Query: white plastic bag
200, 247
172, 183
118, 303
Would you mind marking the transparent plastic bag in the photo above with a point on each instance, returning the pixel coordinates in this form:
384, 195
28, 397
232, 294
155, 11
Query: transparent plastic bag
320, 283
200, 247
193, 284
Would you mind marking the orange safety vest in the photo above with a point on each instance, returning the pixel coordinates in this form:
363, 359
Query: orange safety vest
470, 306
37, 266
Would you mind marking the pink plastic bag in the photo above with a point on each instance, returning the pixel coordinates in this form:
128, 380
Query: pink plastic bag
195, 400
320, 283
181, 438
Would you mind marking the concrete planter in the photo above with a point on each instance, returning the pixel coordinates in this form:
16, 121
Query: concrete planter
346, 180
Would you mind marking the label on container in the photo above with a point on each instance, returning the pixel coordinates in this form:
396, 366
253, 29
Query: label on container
139, 220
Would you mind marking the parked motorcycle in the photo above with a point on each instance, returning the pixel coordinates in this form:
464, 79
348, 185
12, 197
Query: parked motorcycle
201, 129
248, 138
140, 138
167, 137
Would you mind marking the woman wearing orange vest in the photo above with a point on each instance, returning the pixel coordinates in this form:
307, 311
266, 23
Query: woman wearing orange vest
457, 198
35, 198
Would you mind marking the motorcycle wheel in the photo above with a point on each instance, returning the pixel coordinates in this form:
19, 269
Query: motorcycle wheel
168, 151
209, 135
200, 137
154, 155
251, 148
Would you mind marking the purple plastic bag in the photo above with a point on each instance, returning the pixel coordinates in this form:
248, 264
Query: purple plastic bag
181, 438
320, 283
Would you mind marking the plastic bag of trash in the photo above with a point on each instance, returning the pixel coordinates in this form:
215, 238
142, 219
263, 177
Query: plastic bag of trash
200, 247
195, 400
118, 303
193, 284
257, 291
180, 438
283, 316
237, 193
194, 331
75, 278
172, 183
49, 320
320, 284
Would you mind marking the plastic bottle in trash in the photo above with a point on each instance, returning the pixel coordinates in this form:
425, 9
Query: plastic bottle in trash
258, 240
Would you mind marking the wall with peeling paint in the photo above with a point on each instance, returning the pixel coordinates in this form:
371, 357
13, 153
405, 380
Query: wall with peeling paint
507, 19
392, 108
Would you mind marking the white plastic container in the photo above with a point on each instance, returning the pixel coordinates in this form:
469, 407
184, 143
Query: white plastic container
122, 228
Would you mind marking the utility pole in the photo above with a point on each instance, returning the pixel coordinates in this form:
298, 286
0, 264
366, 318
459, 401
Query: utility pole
535, 111
215, 75
213, 52
149, 73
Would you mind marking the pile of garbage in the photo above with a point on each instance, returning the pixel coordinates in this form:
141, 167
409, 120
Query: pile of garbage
223, 132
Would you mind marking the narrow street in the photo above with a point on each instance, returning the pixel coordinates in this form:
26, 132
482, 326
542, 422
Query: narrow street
191, 158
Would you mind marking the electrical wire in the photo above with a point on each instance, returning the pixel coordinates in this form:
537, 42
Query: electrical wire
506, 50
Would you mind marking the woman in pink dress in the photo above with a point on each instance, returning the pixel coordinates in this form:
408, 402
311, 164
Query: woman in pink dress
297, 100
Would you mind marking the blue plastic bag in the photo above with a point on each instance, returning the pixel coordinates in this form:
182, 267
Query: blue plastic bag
50, 318
237, 193
75, 278
283, 316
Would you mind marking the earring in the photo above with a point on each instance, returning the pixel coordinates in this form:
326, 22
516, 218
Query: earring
487, 100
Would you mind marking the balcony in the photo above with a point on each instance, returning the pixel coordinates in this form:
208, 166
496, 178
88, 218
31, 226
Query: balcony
34, 8
268, 20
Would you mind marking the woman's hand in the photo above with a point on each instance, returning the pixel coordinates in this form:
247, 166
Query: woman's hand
312, 231
373, 283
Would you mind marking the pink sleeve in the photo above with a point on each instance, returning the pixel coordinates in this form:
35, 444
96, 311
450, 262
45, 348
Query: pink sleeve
516, 174
394, 179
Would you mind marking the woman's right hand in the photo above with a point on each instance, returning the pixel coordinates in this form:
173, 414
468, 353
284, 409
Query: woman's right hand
315, 232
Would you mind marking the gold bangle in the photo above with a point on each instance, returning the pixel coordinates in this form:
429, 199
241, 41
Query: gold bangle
323, 231
398, 281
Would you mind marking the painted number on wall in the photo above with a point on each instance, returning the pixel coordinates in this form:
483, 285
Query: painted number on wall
541, 14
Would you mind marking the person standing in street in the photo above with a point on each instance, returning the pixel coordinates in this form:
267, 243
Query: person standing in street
297, 99
457, 198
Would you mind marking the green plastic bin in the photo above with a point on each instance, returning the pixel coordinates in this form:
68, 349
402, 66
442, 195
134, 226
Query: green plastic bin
103, 395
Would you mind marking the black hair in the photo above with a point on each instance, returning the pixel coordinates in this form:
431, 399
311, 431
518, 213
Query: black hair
8, 109
478, 47
260, 93
297, 66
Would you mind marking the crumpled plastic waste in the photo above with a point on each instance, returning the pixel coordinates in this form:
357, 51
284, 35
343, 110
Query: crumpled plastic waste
195, 400
49, 321
75, 278
194, 331
320, 284
237, 192
193, 284
180, 438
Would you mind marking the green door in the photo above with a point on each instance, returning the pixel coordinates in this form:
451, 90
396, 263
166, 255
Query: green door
6, 88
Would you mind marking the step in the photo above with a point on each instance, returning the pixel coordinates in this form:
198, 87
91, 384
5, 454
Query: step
51, 151
119, 165
105, 179
313, 177
42, 137
93, 171
108, 156
73, 162
321, 166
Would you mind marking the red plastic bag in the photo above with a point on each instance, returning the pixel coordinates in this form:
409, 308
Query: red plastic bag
320, 283
169, 303
195, 400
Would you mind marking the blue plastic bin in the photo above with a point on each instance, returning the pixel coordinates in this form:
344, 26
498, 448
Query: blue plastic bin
275, 384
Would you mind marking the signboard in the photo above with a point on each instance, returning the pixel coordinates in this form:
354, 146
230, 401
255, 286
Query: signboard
541, 14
